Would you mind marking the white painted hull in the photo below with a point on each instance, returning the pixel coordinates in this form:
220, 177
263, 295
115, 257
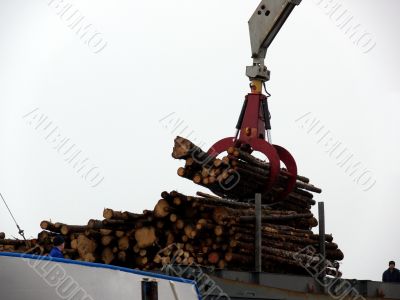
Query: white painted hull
40, 278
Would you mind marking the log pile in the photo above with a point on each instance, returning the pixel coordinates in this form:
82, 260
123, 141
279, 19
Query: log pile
204, 230
239, 175
207, 230
15, 245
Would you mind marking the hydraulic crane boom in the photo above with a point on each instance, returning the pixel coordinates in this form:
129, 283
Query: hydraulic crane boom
253, 126
264, 25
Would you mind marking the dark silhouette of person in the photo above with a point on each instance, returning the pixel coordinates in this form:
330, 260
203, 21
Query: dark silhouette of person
392, 274
58, 248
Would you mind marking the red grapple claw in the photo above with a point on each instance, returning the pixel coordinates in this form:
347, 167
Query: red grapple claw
253, 122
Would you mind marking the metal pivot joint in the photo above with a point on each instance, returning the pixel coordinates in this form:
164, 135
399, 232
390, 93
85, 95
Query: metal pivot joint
254, 125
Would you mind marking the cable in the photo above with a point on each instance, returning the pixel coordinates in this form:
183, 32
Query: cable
20, 231
265, 88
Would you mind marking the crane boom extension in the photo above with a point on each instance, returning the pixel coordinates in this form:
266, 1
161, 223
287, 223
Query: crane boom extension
264, 25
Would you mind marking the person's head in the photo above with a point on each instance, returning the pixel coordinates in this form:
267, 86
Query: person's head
59, 242
391, 265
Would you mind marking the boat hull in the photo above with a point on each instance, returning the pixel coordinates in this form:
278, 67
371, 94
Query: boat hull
42, 278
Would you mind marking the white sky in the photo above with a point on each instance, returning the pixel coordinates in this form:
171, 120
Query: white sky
189, 58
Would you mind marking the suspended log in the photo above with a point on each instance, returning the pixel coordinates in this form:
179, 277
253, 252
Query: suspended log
252, 172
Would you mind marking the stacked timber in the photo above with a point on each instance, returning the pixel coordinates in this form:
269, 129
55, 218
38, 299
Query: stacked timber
203, 230
15, 245
239, 175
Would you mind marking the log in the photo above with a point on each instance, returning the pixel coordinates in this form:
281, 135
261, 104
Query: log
111, 214
119, 233
89, 257
74, 244
106, 240
104, 231
93, 234
141, 261
95, 224
162, 209
123, 243
145, 237
277, 218
108, 213
184, 148
85, 245
46, 236
10, 242
47, 225
122, 256
118, 224
107, 255
68, 229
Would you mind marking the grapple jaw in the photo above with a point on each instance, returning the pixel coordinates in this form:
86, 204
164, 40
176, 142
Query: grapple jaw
252, 125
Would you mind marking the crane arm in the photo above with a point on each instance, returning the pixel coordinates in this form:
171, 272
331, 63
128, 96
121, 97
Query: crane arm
264, 25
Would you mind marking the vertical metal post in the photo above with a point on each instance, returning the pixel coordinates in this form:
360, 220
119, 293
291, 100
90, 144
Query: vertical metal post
322, 249
258, 237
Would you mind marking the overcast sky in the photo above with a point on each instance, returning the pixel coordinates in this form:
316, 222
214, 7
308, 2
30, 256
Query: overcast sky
113, 101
